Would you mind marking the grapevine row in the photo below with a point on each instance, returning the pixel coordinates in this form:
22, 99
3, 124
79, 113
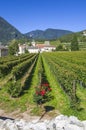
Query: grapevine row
7, 67
65, 78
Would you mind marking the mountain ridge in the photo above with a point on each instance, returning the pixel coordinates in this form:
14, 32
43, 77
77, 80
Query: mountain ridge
8, 32
47, 34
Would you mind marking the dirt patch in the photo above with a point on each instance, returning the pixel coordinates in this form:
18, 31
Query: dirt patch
27, 116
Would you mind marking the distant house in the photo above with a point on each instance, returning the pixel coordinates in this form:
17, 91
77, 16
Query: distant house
49, 48
3, 51
45, 48
84, 33
33, 49
36, 48
22, 48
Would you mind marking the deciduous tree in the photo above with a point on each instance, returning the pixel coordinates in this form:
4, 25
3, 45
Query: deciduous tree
74, 44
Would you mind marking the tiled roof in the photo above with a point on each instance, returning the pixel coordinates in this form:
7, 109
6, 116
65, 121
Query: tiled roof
43, 45
40, 45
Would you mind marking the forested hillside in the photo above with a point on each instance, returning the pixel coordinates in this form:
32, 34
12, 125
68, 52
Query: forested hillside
8, 32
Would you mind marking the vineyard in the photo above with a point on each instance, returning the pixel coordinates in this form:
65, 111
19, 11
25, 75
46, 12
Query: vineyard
56, 80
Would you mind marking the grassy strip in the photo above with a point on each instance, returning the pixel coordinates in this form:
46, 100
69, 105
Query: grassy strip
60, 100
35, 79
81, 92
5, 79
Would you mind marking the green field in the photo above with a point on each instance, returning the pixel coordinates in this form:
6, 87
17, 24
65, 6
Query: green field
65, 72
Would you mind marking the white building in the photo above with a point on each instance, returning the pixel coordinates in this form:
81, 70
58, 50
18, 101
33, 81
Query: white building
36, 48
45, 48
33, 49
84, 33
22, 48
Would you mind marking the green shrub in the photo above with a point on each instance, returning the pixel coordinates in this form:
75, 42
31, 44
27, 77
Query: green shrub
14, 88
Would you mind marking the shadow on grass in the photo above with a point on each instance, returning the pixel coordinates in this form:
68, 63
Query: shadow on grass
80, 109
28, 81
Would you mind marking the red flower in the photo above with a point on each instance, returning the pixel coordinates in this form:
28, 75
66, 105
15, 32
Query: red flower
43, 92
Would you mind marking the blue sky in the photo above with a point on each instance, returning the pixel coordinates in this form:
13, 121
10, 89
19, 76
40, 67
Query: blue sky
28, 15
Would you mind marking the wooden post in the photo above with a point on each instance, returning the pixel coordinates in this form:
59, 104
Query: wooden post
74, 89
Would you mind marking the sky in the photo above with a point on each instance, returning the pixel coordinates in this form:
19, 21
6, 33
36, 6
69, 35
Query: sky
28, 15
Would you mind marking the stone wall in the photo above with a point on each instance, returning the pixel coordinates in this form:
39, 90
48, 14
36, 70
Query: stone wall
58, 123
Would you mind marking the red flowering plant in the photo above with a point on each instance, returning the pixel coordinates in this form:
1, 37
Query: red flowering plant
42, 93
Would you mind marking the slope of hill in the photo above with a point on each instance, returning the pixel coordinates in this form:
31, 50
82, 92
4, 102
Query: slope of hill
67, 38
8, 32
48, 34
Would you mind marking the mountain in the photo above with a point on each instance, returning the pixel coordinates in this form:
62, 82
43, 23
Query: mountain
48, 34
8, 32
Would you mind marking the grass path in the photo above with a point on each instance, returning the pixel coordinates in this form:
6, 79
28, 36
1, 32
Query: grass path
5, 79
